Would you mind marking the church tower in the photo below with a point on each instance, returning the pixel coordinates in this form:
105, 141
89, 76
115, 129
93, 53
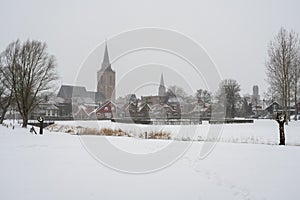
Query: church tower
106, 78
162, 89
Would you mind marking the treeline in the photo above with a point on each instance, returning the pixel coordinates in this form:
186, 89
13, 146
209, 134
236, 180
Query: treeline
227, 100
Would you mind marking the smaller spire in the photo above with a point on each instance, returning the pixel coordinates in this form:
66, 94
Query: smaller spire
162, 89
162, 83
106, 63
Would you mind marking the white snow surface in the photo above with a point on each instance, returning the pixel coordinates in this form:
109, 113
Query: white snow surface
57, 166
259, 132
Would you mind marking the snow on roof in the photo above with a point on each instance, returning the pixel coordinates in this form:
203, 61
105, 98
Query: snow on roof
81, 108
51, 107
142, 106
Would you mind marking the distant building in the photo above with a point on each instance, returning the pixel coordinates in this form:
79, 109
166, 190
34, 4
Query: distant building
79, 95
81, 113
106, 78
70, 98
257, 104
152, 99
273, 108
46, 110
255, 90
105, 111
138, 111
255, 95
160, 98
75, 102
162, 105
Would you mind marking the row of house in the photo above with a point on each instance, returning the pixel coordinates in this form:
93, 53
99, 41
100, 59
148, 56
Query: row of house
62, 109
275, 107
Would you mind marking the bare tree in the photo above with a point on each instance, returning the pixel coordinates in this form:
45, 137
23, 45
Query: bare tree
246, 108
176, 91
283, 59
228, 96
203, 96
272, 95
30, 70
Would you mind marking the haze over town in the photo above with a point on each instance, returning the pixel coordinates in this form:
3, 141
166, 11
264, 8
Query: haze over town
235, 34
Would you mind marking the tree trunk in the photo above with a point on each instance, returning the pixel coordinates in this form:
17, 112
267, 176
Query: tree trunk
25, 121
2, 115
296, 107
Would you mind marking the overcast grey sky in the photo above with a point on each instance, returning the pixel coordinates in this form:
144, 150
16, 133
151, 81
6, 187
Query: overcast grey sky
235, 33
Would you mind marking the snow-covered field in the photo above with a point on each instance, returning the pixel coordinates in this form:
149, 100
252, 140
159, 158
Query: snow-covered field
58, 165
260, 132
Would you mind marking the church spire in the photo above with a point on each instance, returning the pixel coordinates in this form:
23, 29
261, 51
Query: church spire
162, 89
106, 63
162, 83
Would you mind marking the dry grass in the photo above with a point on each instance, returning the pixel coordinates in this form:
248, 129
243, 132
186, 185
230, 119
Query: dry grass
69, 131
156, 135
79, 130
119, 132
103, 131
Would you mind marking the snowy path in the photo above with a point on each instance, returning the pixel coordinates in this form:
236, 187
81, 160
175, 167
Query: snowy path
56, 166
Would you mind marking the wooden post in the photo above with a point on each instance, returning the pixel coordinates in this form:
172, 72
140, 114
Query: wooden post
41, 120
281, 119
